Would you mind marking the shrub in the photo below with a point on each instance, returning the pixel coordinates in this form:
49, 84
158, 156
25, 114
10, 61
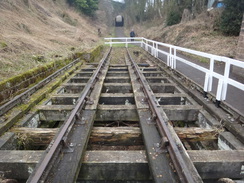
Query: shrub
231, 19
88, 7
173, 17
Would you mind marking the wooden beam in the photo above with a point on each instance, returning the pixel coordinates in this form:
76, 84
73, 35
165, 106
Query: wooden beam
116, 136
35, 136
196, 134
110, 135
123, 135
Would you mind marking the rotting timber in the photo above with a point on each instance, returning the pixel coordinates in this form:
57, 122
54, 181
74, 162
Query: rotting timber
121, 121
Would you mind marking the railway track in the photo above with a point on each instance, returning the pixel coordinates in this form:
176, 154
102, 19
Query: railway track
124, 119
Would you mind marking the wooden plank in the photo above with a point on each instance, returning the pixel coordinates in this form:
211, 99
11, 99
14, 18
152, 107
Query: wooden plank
34, 136
116, 136
196, 134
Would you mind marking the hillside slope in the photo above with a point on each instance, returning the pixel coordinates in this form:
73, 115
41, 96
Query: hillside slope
198, 34
30, 29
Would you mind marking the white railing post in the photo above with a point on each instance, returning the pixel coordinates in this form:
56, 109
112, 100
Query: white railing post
141, 43
168, 58
152, 48
155, 49
226, 77
174, 60
110, 40
171, 57
209, 77
206, 82
146, 45
126, 44
219, 90
156, 54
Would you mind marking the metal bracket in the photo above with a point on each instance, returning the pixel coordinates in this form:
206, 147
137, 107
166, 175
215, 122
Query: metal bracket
205, 95
66, 147
144, 100
217, 103
79, 119
156, 101
161, 147
89, 101
152, 120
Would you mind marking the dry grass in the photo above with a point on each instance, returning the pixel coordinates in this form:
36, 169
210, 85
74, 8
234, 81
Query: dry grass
198, 34
48, 28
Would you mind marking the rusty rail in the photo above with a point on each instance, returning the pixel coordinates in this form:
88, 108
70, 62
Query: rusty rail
185, 169
60, 139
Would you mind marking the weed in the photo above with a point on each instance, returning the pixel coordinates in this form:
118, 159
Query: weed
23, 141
3, 45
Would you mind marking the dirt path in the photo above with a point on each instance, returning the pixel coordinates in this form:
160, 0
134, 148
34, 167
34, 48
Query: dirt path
119, 32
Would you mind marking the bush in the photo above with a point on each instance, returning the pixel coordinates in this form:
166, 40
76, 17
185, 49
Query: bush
231, 19
88, 7
173, 17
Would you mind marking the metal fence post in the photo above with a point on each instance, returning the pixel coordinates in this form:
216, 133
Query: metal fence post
126, 44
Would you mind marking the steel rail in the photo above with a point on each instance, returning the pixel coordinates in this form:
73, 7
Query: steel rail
183, 169
19, 98
39, 171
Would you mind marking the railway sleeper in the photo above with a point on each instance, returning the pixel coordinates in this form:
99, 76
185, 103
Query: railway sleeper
130, 165
121, 149
113, 136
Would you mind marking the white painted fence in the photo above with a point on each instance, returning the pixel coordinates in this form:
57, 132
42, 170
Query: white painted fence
172, 58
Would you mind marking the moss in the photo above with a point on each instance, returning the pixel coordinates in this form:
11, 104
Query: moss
43, 71
17, 113
3, 45
180, 124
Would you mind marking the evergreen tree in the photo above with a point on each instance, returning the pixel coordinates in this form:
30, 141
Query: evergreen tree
88, 7
231, 18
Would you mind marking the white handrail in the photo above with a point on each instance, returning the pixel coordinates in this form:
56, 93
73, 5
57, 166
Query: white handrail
172, 58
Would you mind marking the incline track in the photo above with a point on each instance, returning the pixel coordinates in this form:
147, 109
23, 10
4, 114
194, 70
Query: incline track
120, 120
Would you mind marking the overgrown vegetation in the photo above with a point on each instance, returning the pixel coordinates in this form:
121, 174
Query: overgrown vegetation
87, 7
231, 19
173, 13
169, 10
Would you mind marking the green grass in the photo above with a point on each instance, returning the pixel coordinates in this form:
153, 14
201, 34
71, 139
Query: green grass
3, 45
121, 45
198, 58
